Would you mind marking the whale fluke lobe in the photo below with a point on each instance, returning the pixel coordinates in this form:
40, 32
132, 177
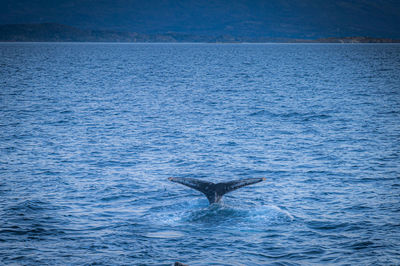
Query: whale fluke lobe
212, 191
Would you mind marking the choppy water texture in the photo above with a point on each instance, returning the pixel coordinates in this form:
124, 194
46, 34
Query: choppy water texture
89, 134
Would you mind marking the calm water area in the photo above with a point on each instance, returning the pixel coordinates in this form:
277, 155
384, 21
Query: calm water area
90, 133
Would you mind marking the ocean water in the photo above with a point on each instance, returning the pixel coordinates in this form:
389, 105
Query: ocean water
89, 134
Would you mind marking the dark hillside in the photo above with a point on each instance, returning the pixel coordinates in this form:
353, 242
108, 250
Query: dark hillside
305, 19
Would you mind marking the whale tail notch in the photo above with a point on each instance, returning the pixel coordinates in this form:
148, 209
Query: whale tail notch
212, 191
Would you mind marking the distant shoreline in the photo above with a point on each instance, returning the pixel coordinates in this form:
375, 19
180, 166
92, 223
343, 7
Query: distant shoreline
52, 32
182, 43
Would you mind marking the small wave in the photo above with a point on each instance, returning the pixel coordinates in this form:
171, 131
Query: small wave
262, 113
383, 69
362, 245
315, 117
113, 197
30, 205
326, 225
165, 234
34, 230
308, 116
229, 143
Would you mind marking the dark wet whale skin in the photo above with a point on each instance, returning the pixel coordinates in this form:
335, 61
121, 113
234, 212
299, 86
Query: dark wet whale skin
212, 191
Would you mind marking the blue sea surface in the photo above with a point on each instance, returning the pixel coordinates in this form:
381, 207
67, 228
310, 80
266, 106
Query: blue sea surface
90, 133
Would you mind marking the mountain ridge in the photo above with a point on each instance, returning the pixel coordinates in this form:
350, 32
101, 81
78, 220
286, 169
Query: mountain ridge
54, 32
302, 19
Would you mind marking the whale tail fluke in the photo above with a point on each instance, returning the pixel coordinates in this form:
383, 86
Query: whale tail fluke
212, 191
